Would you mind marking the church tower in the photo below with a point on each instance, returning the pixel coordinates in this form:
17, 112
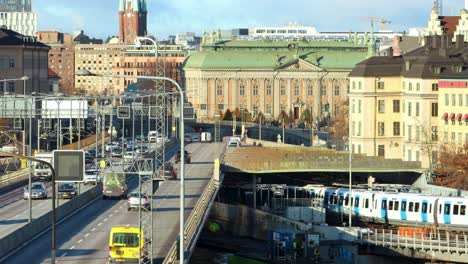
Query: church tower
132, 20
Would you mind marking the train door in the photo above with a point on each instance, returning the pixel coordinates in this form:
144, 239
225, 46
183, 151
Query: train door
403, 209
383, 208
424, 209
446, 208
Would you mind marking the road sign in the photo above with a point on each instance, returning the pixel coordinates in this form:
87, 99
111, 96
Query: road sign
69, 165
153, 112
123, 112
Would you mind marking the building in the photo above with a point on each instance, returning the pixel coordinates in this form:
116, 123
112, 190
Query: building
132, 20
17, 15
22, 56
453, 109
61, 58
439, 24
143, 62
188, 40
98, 59
81, 38
270, 77
395, 100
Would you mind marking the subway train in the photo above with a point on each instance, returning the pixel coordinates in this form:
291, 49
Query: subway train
395, 208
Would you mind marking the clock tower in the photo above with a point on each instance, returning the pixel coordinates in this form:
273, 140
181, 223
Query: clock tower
132, 20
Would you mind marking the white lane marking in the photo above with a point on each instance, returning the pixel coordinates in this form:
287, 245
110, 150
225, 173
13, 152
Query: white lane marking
111, 215
100, 224
79, 241
86, 235
94, 229
116, 211
64, 254
105, 219
72, 247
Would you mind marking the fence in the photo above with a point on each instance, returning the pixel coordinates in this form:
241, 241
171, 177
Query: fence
427, 188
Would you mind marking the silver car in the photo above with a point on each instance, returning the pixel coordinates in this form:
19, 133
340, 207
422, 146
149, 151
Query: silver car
133, 203
38, 191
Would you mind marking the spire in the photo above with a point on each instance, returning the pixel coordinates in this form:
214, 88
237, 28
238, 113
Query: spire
135, 5
122, 5
371, 45
143, 6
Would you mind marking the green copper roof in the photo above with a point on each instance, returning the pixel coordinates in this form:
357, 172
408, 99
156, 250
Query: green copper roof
144, 8
137, 5
285, 44
270, 60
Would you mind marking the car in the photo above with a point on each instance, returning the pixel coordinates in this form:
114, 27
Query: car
187, 139
152, 135
195, 138
131, 155
125, 243
132, 201
142, 150
67, 190
114, 185
167, 172
116, 152
111, 145
233, 144
186, 157
91, 175
38, 191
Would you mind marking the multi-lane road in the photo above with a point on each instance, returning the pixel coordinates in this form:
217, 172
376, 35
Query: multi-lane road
83, 238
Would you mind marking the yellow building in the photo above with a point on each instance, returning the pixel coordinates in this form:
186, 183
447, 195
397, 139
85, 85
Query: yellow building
453, 109
395, 100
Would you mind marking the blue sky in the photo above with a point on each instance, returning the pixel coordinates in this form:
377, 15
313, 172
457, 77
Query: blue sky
99, 18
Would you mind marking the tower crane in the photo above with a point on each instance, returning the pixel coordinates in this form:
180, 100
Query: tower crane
382, 21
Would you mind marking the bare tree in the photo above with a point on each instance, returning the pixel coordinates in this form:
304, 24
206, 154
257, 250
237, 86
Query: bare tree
340, 124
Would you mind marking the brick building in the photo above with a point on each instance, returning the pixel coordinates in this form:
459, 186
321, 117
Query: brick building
132, 20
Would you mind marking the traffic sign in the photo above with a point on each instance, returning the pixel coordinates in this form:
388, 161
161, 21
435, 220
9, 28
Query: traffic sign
123, 112
69, 165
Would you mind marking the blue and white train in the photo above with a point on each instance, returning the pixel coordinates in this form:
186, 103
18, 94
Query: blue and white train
405, 209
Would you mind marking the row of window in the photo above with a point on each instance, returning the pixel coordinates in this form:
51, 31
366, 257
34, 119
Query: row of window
455, 138
7, 63
454, 100
10, 87
381, 86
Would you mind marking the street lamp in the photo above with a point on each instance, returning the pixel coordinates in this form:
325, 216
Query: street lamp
138, 44
182, 161
350, 178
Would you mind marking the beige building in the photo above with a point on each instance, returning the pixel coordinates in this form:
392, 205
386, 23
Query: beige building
98, 59
270, 77
400, 100
453, 109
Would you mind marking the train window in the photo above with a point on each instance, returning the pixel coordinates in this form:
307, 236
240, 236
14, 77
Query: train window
462, 209
447, 209
367, 203
356, 202
455, 209
430, 208
335, 199
331, 198
403, 206
384, 205
397, 205
346, 200
410, 207
390, 205
416, 207
424, 208
341, 200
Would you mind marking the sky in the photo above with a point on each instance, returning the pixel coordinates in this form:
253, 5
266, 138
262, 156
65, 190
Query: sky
99, 18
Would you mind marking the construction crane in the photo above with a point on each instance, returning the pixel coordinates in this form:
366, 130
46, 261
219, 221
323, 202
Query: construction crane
378, 19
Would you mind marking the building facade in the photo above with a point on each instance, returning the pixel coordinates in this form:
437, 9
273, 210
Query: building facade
98, 59
270, 77
401, 99
132, 20
17, 15
61, 58
22, 56
453, 109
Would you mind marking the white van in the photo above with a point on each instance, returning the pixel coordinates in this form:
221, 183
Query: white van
152, 136
206, 137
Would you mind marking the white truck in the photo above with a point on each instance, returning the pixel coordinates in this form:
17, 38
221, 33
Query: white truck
206, 137
40, 170
152, 136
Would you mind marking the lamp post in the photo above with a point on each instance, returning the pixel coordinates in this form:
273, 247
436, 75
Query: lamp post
350, 179
182, 161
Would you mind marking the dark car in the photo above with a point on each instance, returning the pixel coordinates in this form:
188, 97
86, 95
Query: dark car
186, 157
168, 172
188, 139
67, 190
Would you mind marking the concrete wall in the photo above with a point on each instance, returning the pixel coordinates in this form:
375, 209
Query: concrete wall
27, 232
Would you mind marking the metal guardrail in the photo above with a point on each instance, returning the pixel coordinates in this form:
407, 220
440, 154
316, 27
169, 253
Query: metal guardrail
193, 223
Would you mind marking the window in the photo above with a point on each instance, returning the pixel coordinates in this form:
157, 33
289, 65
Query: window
337, 88
409, 108
381, 106
455, 209
296, 87
353, 128
418, 87
396, 128
221, 106
411, 207
445, 137
460, 100
359, 129
396, 106
410, 86
410, 133
2, 88
447, 100
242, 88
418, 133
453, 138
466, 97
403, 128
353, 106
360, 85
268, 87
447, 209
219, 87
255, 110
462, 209
435, 133
11, 87
454, 100
366, 203
309, 88
359, 106
381, 129
416, 207
356, 202
323, 88
460, 137
403, 206
381, 151
424, 208
390, 205
404, 85
435, 109
11, 63
268, 109
380, 85
417, 109
282, 87
255, 88
435, 87
397, 206
354, 85
384, 205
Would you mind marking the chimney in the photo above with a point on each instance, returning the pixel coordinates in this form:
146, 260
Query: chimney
460, 40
